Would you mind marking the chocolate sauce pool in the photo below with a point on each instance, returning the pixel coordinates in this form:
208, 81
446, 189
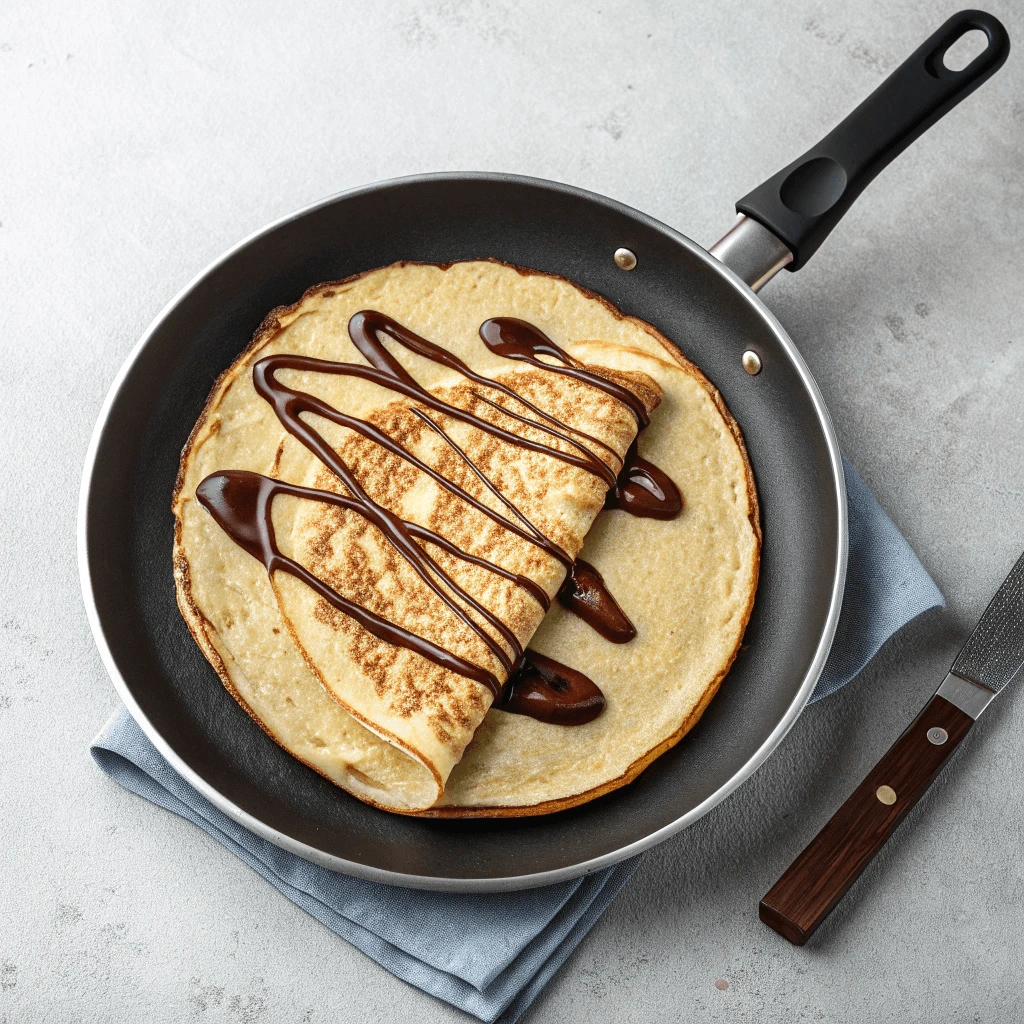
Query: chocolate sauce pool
643, 490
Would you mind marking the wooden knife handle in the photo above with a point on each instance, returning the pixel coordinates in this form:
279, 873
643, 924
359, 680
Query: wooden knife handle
818, 879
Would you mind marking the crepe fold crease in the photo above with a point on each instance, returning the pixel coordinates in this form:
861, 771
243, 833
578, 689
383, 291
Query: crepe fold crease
384, 722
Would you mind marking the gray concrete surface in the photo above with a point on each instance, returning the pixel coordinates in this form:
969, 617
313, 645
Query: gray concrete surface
138, 141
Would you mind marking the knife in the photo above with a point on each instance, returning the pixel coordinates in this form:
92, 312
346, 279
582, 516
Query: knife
819, 878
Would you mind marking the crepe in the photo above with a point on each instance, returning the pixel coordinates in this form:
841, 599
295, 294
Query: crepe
383, 722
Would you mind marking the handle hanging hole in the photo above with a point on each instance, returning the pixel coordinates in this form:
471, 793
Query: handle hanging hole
973, 43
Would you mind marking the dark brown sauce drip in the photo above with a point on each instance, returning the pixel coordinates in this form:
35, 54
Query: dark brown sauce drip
241, 504
643, 490
585, 594
551, 692
516, 339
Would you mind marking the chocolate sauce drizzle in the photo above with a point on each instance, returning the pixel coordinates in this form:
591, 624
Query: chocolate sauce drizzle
552, 692
584, 594
643, 490
241, 503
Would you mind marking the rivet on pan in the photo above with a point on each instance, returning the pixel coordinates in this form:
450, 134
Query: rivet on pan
751, 362
886, 794
937, 736
625, 259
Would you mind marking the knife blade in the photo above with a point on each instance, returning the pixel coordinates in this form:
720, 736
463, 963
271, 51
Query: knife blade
994, 654
818, 879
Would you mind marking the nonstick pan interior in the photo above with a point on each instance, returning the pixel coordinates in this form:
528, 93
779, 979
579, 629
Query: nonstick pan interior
127, 524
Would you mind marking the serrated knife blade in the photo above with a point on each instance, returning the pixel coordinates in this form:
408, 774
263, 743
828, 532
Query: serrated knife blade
817, 880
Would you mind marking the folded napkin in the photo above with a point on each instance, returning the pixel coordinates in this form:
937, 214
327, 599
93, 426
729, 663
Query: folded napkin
491, 954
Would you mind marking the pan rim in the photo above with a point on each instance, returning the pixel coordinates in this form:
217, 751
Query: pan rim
432, 882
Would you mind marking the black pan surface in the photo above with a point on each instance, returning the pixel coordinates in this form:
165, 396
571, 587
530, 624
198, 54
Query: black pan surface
126, 524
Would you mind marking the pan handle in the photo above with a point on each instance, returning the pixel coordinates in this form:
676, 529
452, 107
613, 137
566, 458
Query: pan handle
801, 204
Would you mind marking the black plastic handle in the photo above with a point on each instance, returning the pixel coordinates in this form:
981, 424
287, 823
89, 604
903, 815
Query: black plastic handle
804, 201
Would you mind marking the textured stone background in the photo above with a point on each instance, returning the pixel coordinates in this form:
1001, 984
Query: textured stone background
141, 140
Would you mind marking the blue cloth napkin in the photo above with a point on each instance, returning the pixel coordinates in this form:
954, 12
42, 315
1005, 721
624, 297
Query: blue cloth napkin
490, 955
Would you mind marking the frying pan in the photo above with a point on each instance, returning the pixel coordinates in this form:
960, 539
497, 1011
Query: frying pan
704, 301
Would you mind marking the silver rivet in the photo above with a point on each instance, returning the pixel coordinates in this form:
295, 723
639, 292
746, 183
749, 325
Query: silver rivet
625, 259
886, 794
751, 362
937, 736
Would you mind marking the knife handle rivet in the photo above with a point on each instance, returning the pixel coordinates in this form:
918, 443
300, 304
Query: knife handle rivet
886, 794
937, 736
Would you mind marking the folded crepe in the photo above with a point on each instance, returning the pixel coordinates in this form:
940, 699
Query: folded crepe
495, 476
